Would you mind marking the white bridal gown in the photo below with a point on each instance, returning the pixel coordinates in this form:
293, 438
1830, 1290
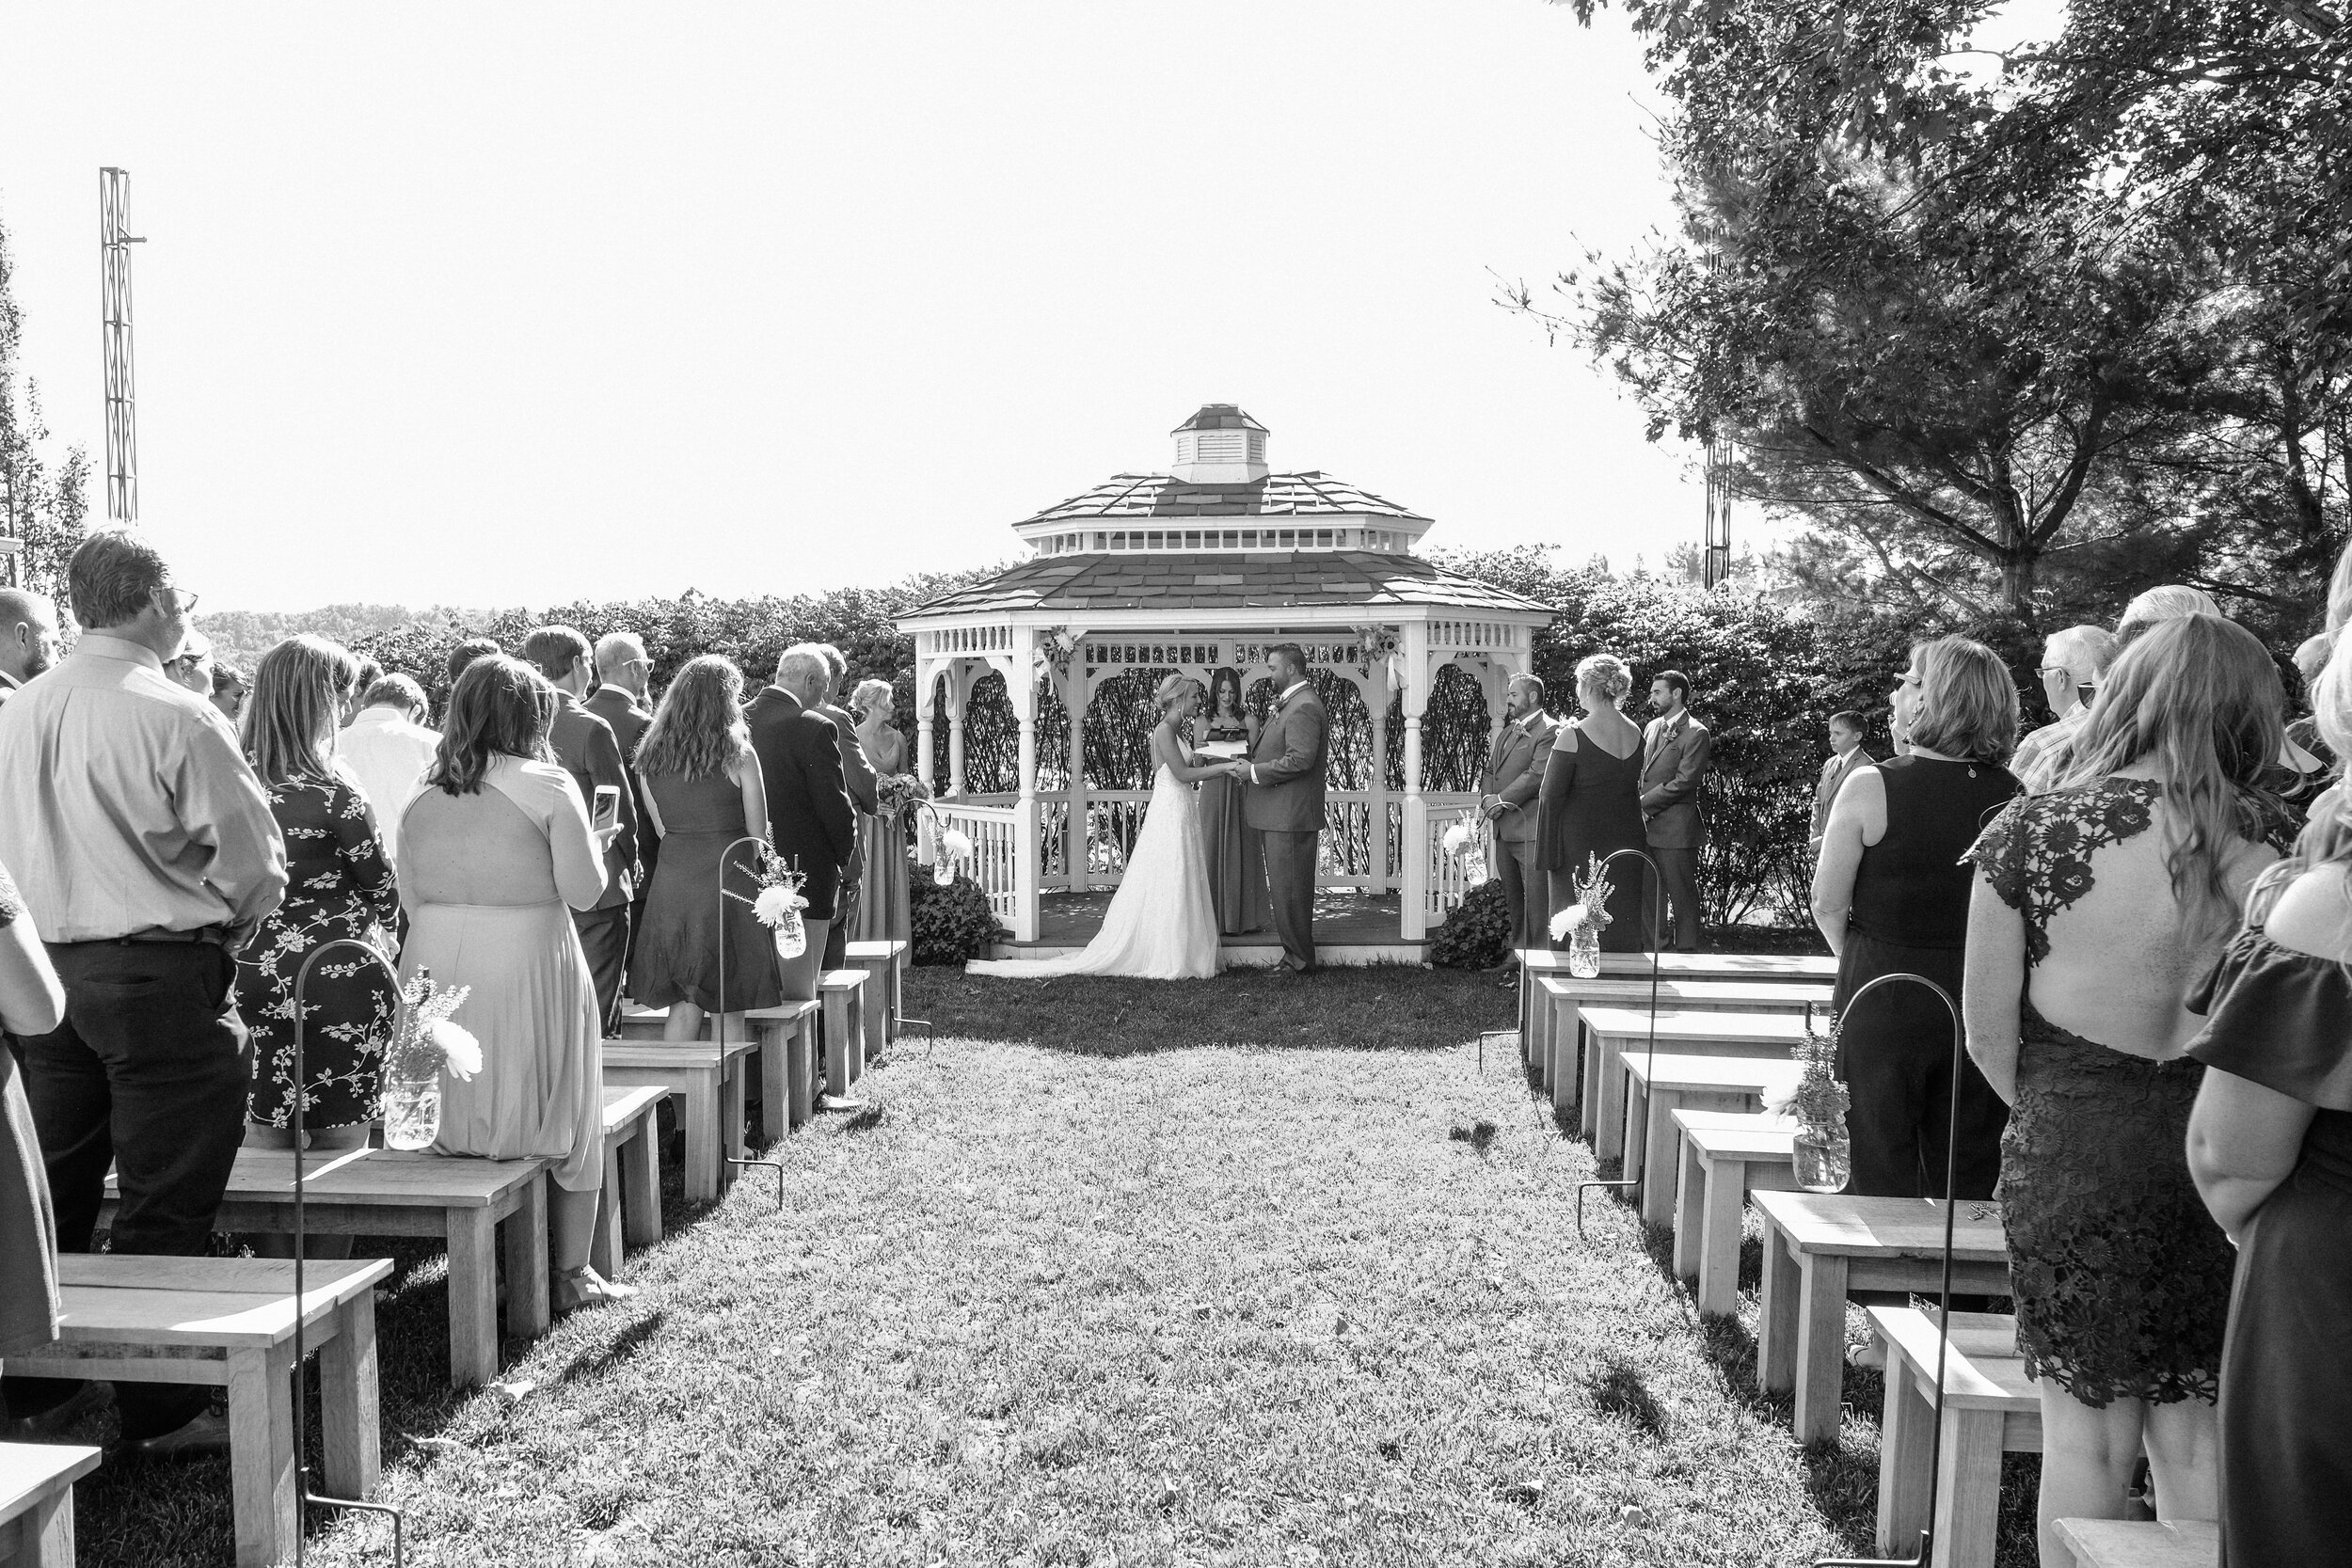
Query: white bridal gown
1161, 925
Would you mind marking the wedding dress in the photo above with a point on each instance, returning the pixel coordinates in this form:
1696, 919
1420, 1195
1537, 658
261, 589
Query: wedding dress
1161, 925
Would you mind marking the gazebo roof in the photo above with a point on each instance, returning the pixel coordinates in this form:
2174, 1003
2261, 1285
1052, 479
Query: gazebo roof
1193, 583
1309, 493
1218, 416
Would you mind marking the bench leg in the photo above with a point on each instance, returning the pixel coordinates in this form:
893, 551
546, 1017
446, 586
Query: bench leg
261, 1454
1588, 1088
731, 1117
1968, 1496
1609, 1125
473, 1283
47, 1540
702, 1135
875, 1005
640, 1194
857, 1034
350, 1426
528, 1313
799, 1059
1906, 1432
1658, 1158
1776, 1324
1821, 1350
1528, 1042
775, 1085
604, 1242
1719, 1236
836, 1045
1691, 1183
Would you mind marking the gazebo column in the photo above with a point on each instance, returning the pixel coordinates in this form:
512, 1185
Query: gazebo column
1020, 685
1074, 698
1376, 704
1414, 898
959, 687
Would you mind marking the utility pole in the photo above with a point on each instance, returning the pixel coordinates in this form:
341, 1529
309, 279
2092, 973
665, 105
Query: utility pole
114, 252
1716, 559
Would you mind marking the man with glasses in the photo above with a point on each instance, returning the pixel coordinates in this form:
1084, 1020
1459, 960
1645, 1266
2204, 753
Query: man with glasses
623, 673
147, 855
2072, 663
28, 639
192, 665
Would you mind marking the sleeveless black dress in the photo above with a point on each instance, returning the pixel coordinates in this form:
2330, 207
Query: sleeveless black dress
2283, 1020
1590, 804
1911, 915
2121, 1277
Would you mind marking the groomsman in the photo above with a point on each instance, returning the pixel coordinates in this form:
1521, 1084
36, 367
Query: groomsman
1284, 802
1675, 752
619, 699
585, 747
810, 819
857, 777
1507, 791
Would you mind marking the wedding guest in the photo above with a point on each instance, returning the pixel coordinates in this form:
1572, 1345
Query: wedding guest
1507, 800
192, 665
1846, 753
340, 885
2098, 905
2168, 603
2073, 662
466, 652
704, 794
585, 746
1675, 752
28, 638
1284, 802
148, 859
1590, 804
883, 907
387, 748
1890, 894
619, 699
370, 671
229, 693
857, 776
31, 1003
497, 853
810, 818
1236, 868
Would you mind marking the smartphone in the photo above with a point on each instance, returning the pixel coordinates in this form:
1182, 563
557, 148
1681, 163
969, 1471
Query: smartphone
608, 805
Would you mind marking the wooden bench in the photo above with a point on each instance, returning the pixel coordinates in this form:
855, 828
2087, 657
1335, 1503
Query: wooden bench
629, 1210
1657, 1088
1781, 967
37, 1502
229, 1322
1990, 1409
1818, 1247
1725, 1155
1615, 1034
846, 999
386, 1192
885, 963
709, 1080
1555, 1048
2127, 1544
785, 1039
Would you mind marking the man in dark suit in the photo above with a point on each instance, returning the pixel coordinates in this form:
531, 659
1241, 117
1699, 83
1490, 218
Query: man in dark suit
857, 777
810, 819
1846, 753
1283, 804
585, 746
1507, 798
1674, 752
619, 700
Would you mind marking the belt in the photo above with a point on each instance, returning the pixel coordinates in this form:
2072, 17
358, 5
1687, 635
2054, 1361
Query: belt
213, 936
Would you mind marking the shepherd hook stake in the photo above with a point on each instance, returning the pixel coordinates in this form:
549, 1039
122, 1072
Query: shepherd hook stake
1656, 911
718, 1022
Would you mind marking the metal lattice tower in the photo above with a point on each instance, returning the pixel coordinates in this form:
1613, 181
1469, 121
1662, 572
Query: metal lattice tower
114, 251
1717, 560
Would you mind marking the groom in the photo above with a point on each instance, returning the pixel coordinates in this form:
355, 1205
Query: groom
1284, 802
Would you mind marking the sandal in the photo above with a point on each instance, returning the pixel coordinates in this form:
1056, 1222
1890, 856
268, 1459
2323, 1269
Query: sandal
585, 1286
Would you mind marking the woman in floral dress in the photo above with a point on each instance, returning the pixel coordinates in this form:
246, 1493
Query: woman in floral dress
339, 884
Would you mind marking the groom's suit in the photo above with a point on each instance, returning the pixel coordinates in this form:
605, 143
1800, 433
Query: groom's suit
1284, 805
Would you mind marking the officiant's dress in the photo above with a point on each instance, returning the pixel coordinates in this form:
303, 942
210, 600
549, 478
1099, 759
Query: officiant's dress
1236, 867
1162, 923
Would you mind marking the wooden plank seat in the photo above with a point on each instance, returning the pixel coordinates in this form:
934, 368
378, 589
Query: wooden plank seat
1797, 967
1613, 1034
387, 1192
2135, 1544
1990, 1409
785, 1037
630, 1209
1819, 1247
1725, 1155
37, 1502
230, 1323
886, 962
1656, 1088
1561, 1060
709, 1080
846, 999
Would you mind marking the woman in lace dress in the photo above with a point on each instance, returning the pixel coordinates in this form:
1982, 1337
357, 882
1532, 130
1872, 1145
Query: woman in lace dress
2096, 909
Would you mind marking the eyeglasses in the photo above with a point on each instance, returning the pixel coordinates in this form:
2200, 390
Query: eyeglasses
184, 602
2049, 670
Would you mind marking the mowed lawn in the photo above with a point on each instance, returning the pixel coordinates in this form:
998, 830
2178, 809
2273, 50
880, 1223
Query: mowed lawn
1251, 1271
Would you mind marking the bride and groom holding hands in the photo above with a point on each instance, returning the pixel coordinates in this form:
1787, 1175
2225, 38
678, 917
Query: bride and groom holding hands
1162, 924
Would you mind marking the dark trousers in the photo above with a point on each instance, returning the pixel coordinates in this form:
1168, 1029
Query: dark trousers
1526, 891
1894, 1053
1290, 881
1678, 869
149, 1073
844, 916
604, 937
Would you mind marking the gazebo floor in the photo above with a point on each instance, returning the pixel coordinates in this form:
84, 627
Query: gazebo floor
1353, 925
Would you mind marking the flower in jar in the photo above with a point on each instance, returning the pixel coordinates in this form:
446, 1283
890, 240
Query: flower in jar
461, 1053
1567, 920
775, 903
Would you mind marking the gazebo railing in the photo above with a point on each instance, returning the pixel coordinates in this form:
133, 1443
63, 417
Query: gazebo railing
992, 823
1450, 876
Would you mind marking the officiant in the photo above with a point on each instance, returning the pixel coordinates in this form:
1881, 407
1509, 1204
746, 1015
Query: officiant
1236, 868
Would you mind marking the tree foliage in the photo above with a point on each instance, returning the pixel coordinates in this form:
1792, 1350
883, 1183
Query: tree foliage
42, 502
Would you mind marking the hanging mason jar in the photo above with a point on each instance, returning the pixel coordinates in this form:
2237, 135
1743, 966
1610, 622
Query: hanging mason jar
1824, 1156
1584, 950
791, 935
412, 1110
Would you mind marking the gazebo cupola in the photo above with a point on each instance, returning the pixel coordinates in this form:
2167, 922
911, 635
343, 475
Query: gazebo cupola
1220, 445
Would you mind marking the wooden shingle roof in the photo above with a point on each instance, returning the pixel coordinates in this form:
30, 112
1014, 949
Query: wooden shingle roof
1306, 494
1362, 579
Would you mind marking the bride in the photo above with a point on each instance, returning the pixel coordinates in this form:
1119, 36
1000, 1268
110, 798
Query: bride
1161, 924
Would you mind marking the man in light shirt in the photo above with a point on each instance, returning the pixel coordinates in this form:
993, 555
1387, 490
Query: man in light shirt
2072, 663
147, 855
387, 748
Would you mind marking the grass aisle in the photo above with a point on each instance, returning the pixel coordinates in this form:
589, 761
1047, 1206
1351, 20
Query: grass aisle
1248, 1272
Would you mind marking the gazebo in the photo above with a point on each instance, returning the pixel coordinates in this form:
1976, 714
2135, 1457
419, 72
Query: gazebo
1195, 569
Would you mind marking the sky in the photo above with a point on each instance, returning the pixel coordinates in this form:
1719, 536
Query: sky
521, 304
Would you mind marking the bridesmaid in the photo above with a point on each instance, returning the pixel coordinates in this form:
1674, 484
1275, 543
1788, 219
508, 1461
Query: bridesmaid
1591, 802
881, 908
1236, 867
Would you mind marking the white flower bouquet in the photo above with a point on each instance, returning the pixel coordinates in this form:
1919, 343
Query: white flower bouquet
778, 903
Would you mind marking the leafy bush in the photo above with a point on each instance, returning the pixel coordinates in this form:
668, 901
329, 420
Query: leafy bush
1477, 935
952, 925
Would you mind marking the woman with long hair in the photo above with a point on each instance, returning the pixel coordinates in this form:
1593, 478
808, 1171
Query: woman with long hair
339, 884
2097, 907
1591, 803
1890, 894
885, 911
496, 850
703, 791
1236, 862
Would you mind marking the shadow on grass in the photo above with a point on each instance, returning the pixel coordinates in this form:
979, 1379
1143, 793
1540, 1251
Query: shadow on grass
1375, 1007
634, 1336
1616, 1389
